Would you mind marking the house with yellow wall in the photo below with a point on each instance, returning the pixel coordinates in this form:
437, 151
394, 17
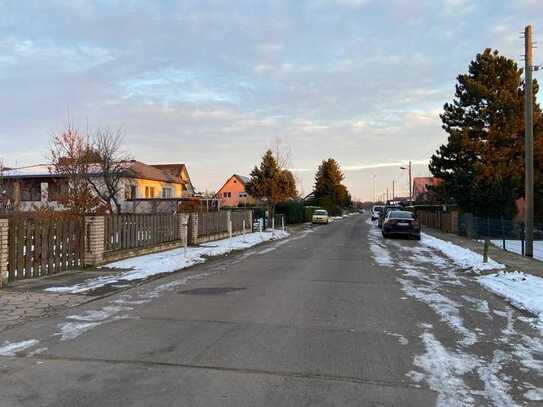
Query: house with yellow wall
144, 188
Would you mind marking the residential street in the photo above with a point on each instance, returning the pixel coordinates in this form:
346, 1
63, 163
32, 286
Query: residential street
331, 316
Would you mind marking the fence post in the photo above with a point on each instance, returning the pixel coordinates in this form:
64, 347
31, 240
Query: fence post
469, 225
243, 226
283, 223
522, 239
183, 221
229, 223
194, 228
4, 232
94, 240
503, 233
273, 222
485, 250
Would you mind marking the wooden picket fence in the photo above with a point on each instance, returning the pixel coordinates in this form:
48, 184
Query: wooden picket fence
43, 247
131, 231
445, 221
212, 223
216, 223
241, 218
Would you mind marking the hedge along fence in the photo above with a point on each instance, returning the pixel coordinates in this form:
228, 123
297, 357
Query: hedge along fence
37, 248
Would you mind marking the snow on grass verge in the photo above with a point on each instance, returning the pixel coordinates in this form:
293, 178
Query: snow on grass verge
463, 257
169, 261
521, 290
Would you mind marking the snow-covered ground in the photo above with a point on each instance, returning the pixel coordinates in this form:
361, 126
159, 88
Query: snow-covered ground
516, 247
463, 257
142, 267
521, 290
432, 273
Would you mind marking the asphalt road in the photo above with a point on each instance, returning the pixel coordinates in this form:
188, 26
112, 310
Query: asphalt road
333, 316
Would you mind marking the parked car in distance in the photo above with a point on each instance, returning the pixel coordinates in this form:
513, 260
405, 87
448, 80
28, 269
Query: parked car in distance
376, 211
386, 210
320, 216
401, 223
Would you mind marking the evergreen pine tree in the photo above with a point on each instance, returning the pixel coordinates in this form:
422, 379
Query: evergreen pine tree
271, 183
329, 192
482, 163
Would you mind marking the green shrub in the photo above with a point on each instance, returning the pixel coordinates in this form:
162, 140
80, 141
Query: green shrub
293, 211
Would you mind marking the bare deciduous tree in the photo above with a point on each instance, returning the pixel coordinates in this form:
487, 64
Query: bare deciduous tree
110, 164
70, 156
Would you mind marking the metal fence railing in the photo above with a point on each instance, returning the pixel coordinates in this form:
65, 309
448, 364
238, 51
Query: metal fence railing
501, 232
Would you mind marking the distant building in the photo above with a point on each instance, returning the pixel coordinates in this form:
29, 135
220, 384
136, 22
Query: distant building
233, 192
37, 186
421, 193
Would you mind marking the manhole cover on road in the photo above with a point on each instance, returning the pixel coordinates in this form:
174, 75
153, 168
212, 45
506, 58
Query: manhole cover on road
211, 290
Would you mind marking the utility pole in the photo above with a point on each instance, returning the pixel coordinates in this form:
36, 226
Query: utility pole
410, 184
393, 194
373, 187
529, 141
408, 168
387, 194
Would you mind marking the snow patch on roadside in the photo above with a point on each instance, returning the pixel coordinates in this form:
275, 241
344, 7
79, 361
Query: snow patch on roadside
170, 261
402, 340
381, 255
77, 325
463, 257
521, 290
11, 348
447, 309
444, 370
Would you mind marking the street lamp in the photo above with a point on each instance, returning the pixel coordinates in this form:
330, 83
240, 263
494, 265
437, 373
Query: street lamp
410, 185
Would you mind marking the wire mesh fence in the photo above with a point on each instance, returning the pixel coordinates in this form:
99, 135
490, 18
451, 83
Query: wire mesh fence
507, 234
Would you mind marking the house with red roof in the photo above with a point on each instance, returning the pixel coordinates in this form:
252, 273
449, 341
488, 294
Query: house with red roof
233, 192
420, 188
39, 186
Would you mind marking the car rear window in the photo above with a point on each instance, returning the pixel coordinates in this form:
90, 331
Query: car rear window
321, 212
401, 215
378, 209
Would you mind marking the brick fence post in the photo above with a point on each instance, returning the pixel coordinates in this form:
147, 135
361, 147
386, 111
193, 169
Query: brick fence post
194, 229
94, 240
4, 231
183, 224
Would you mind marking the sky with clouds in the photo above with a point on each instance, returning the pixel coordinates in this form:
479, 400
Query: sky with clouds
213, 82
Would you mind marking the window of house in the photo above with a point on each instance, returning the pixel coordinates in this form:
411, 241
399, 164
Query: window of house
56, 189
227, 194
166, 192
149, 192
31, 190
130, 192
243, 194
